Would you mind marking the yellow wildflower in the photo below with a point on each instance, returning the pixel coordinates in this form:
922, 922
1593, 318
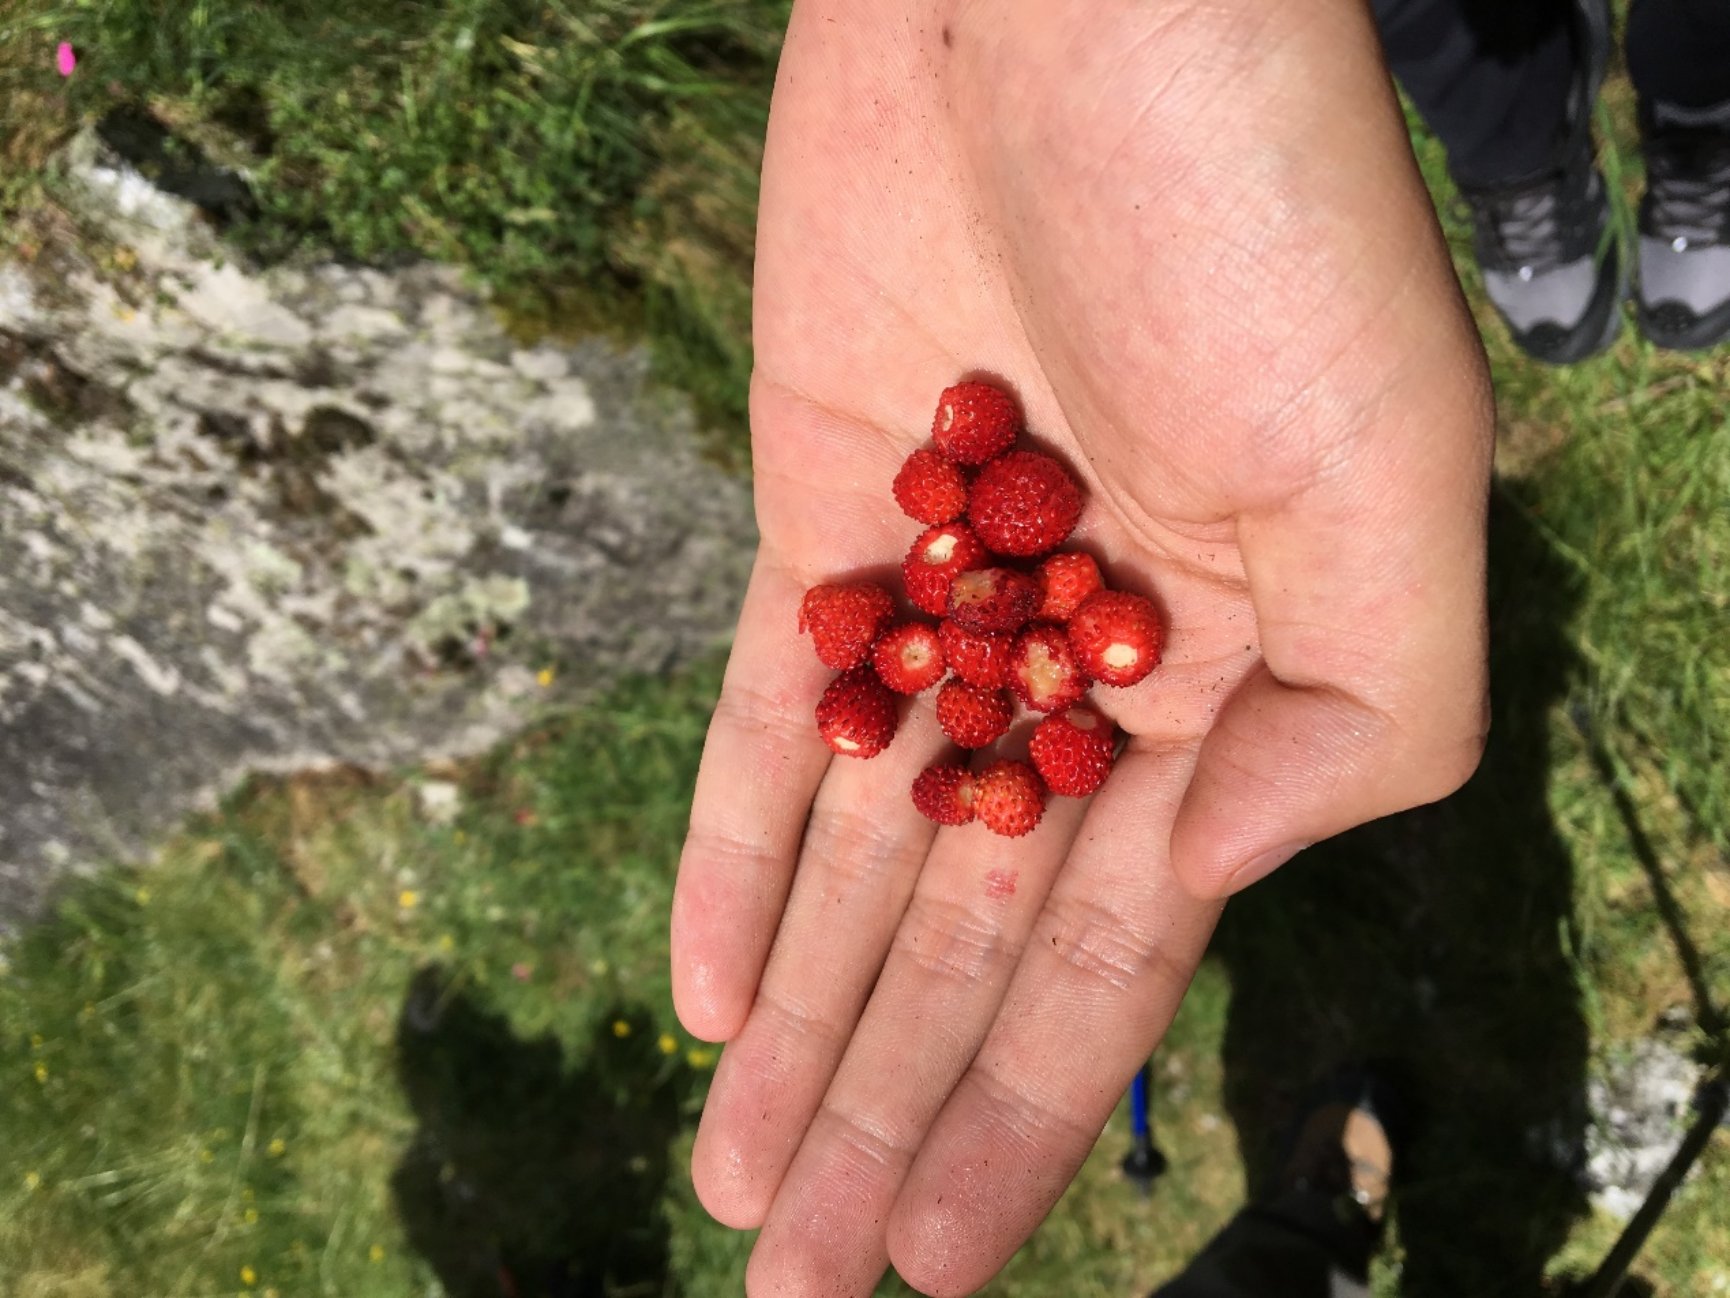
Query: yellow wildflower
544, 677
699, 1057
142, 896
32, 1182
248, 1276
375, 1253
621, 1029
278, 1147
252, 1216
408, 899
41, 1071
668, 1043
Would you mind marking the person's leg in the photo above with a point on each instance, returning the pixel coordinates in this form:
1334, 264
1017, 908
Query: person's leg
1679, 61
1492, 81
1313, 1234
1679, 51
1274, 1252
1508, 88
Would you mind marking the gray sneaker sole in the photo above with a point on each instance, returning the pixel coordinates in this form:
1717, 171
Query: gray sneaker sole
1677, 329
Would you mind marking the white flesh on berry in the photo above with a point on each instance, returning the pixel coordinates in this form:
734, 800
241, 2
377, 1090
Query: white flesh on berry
1043, 674
1120, 655
940, 550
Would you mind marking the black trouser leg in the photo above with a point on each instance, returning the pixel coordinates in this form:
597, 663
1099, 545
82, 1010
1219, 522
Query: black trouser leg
1299, 1246
1679, 51
1491, 78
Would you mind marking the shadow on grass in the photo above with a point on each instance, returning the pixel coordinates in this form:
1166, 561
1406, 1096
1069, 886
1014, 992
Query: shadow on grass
1438, 942
530, 1177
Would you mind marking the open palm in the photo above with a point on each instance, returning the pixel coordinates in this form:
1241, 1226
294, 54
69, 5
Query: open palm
1191, 241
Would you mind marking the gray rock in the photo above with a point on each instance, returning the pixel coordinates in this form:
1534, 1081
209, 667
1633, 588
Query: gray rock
266, 520
1642, 1102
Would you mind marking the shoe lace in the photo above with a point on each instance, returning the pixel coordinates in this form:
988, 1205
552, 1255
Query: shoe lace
1532, 228
1688, 186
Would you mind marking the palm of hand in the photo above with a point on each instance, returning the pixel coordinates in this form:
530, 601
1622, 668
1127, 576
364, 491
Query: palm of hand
904, 1080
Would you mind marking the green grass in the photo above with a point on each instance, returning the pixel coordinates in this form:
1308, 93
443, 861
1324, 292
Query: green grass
593, 162
211, 1073
287, 1044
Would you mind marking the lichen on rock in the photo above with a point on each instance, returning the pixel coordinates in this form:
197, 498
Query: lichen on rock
272, 518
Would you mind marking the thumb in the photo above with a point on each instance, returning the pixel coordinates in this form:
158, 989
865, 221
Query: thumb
1289, 765
1372, 694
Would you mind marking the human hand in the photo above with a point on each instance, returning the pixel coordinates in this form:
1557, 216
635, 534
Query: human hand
1191, 239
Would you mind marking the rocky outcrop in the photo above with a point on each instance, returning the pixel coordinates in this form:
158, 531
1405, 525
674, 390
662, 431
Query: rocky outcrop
321, 513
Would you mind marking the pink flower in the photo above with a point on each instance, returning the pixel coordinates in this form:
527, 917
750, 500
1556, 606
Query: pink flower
65, 60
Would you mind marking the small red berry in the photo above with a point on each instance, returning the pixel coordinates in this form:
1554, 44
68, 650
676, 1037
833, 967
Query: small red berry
944, 793
856, 715
1008, 798
1072, 751
975, 422
843, 620
993, 599
1043, 672
973, 717
978, 657
909, 657
930, 488
1117, 637
937, 558
1064, 581
1023, 503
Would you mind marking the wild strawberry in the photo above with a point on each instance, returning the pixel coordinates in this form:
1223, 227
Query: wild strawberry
979, 658
908, 657
944, 793
1064, 581
973, 717
856, 715
1008, 798
1117, 637
1043, 672
843, 621
993, 599
930, 489
935, 559
1023, 503
1072, 751
975, 422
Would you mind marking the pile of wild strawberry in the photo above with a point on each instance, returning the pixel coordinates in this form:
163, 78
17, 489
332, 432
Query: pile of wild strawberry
1006, 633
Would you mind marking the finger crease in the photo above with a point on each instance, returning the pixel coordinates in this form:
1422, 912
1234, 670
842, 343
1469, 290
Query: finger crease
1097, 942
859, 848
949, 940
803, 1021
1024, 1117
718, 846
753, 711
872, 1140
